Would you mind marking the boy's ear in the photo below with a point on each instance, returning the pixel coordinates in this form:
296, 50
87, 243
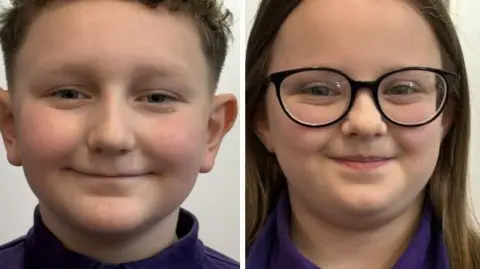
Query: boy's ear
223, 116
7, 129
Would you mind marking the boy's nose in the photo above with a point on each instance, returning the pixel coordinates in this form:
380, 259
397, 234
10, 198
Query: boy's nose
110, 132
364, 119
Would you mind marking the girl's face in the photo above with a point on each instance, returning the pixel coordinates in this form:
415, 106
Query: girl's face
364, 39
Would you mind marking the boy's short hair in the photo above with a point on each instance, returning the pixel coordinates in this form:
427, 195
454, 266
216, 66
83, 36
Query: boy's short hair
212, 19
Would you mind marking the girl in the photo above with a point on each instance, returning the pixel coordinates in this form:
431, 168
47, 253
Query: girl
357, 143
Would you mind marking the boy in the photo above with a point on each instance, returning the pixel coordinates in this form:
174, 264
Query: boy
112, 113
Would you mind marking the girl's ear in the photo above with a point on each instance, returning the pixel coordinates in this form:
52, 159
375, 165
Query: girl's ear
262, 127
447, 118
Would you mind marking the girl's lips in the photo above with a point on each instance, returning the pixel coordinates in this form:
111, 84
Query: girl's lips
362, 163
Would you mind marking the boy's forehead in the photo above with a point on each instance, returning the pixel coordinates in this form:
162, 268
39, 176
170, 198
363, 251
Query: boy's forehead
114, 33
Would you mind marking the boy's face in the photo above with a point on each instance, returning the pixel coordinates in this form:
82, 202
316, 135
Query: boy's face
112, 115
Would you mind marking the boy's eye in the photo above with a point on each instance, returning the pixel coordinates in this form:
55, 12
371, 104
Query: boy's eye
71, 94
157, 98
68, 94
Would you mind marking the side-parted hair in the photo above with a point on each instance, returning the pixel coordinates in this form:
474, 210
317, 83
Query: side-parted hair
211, 18
447, 188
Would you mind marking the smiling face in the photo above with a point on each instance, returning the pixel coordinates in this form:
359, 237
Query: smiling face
326, 168
113, 113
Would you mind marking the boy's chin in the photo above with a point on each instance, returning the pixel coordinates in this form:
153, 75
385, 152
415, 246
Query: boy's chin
116, 216
116, 221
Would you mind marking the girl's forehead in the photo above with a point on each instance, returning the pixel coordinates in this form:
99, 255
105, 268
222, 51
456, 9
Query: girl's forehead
352, 33
360, 19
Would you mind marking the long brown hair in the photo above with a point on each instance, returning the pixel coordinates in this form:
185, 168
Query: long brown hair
447, 188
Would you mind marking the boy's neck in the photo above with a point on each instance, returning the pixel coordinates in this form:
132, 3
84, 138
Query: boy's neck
330, 246
143, 244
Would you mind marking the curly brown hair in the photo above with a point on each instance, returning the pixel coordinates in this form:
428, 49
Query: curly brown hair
213, 20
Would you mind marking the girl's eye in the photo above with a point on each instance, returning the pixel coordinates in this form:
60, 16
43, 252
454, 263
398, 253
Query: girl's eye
402, 90
320, 91
68, 94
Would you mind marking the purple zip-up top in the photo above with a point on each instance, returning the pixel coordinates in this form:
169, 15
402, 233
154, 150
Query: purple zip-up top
39, 249
274, 249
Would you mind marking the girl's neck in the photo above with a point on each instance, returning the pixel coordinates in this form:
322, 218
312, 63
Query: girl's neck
114, 249
336, 246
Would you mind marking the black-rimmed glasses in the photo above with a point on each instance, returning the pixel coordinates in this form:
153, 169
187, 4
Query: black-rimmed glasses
317, 97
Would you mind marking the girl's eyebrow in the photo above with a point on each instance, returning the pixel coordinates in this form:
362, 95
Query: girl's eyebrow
381, 71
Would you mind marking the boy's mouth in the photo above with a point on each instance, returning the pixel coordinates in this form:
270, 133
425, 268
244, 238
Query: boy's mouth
109, 175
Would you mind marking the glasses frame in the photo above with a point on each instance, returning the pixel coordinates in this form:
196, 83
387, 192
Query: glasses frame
278, 77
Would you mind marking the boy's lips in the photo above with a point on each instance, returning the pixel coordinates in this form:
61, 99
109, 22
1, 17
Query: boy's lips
110, 175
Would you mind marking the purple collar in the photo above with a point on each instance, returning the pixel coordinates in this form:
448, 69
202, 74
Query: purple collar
273, 248
43, 250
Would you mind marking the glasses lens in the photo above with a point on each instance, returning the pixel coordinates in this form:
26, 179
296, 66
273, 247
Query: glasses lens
412, 97
315, 97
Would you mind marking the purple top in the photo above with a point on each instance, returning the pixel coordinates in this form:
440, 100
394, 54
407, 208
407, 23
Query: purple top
274, 249
40, 249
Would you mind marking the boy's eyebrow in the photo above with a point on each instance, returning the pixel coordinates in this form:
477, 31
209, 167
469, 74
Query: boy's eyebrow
85, 69
167, 70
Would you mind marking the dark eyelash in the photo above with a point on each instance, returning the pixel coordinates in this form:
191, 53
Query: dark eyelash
65, 90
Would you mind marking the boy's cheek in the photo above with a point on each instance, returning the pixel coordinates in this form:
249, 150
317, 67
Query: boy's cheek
182, 142
44, 134
48, 135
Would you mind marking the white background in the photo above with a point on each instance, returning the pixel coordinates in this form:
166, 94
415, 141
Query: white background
465, 15
216, 196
